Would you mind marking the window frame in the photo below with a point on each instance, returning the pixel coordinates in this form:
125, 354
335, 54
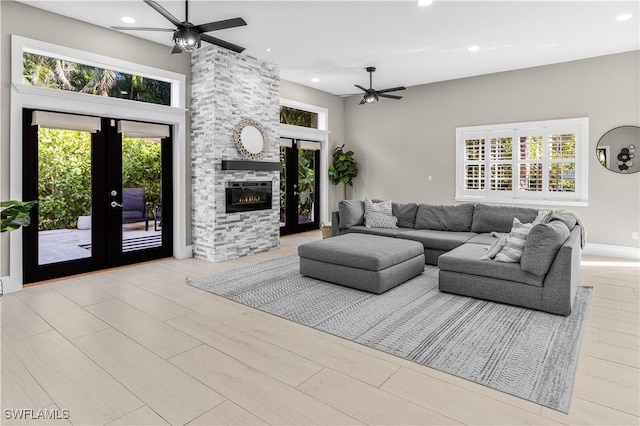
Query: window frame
577, 126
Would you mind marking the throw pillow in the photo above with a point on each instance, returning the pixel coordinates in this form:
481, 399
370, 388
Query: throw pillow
568, 219
406, 214
351, 213
383, 207
514, 247
380, 220
543, 242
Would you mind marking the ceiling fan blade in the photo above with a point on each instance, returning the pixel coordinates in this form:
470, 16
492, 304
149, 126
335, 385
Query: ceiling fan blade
361, 88
391, 90
362, 102
140, 29
176, 49
221, 43
162, 11
220, 25
382, 95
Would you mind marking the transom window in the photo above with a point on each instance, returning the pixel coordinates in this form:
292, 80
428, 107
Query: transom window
298, 117
56, 73
535, 162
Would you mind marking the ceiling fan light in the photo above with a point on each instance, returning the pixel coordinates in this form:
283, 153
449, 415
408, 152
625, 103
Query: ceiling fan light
186, 39
370, 98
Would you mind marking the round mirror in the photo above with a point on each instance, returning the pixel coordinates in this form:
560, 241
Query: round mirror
251, 139
617, 149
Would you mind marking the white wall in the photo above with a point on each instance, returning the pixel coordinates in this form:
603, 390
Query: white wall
400, 143
17, 18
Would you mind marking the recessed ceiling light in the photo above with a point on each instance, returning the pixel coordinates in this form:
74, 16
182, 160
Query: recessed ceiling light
128, 20
268, 49
623, 17
424, 2
315, 80
473, 48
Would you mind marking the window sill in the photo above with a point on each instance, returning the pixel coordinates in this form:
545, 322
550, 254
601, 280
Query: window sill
564, 203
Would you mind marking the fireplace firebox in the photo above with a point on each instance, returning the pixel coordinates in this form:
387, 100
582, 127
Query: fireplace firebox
248, 196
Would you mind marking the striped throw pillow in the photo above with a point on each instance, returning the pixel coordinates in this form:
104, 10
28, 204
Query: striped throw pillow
384, 207
514, 247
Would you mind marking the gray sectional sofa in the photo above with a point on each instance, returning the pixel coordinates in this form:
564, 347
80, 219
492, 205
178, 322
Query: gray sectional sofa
456, 238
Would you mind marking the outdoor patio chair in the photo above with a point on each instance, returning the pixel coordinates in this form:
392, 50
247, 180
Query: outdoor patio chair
134, 206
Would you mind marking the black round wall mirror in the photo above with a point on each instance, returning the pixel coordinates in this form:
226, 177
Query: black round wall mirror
618, 150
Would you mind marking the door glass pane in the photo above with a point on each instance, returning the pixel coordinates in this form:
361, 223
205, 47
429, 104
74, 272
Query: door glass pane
64, 195
141, 193
306, 185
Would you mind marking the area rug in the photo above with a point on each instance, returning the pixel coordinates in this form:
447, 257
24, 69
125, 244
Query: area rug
526, 353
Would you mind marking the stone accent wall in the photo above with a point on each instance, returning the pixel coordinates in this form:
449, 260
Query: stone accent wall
225, 88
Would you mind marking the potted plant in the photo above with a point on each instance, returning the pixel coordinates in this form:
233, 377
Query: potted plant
13, 215
343, 169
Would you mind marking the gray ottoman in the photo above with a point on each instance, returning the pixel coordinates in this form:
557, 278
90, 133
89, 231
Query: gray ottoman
365, 262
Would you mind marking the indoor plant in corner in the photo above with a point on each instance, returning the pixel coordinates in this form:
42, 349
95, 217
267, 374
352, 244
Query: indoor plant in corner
344, 168
13, 215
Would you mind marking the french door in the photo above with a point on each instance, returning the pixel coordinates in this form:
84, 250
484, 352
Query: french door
104, 192
299, 185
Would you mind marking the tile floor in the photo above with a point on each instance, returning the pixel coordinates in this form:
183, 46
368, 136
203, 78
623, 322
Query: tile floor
137, 346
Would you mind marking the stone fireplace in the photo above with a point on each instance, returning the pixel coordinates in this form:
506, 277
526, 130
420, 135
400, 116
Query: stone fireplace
227, 88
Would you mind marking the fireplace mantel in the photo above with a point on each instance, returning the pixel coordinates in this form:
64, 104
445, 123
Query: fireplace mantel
261, 166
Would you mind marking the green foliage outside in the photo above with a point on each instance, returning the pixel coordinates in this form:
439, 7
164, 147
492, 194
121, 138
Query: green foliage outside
297, 117
306, 183
64, 171
43, 71
14, 214
344, 168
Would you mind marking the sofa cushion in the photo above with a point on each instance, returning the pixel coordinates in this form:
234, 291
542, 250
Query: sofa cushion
361, 251
514, 243
467, 259
487, 239
351, 213
445, 218
380, 220
406, 214
541, 248
438, 240
489, 218
384, 232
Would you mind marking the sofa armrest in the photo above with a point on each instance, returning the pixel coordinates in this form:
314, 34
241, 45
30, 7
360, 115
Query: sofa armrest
561, 283
335, 224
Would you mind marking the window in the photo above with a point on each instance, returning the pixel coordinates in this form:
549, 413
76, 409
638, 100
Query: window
298, 117
56, 73
536, 162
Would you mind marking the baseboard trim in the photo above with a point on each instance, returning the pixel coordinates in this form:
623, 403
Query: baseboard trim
9, 286
612, 251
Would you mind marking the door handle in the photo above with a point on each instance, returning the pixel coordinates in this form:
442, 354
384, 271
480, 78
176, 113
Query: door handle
114, 204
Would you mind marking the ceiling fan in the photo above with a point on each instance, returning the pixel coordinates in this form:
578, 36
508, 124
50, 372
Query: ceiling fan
187, 36
371, 95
